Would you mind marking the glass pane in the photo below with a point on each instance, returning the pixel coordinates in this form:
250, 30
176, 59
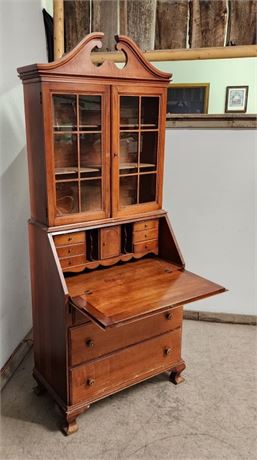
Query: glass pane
67, 198
65, 154
90, 155
129, 110
147, 188
128, 153
89, 113
148, 151
128, 190
65, 112
149, 112
91, 195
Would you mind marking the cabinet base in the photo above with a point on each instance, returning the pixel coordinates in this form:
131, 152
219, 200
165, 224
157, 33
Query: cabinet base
70, 413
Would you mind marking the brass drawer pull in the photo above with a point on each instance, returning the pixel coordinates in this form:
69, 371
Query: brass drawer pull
168, 351
90, 343
90, 382
169, 315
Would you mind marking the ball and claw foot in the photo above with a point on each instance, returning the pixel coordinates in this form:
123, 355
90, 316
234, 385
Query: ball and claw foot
175, 376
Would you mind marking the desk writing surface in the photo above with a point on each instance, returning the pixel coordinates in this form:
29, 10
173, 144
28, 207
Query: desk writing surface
136, 289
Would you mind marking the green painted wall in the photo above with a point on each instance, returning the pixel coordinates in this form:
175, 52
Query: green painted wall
219, 73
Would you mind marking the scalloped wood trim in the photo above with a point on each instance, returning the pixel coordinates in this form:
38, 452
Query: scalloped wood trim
78, 62
106, 262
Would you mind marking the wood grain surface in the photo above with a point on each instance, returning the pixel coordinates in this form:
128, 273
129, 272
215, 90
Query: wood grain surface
207, 23
242, 22
122, 293
171, 24
76, 22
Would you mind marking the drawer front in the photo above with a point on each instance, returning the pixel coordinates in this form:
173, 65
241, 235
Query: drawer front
145, 225
71, 250
73, 261
147, 246
69, 238
89, 341
144, 235
125, 367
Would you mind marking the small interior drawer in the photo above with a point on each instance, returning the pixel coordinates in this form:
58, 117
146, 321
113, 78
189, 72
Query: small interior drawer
67, 262
69, 238
109, 242
145, 225
71, 250
144, 235
125, 367
145, 247
88, 342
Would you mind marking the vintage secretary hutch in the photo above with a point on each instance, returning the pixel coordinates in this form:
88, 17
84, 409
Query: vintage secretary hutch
108, 278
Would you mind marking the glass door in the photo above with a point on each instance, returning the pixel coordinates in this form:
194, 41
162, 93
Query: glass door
137, 150
81, 155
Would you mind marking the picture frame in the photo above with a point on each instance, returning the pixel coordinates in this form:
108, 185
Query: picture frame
236, 99
187, 98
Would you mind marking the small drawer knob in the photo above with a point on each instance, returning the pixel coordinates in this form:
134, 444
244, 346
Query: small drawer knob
90, 343
169, 315
167, 351
70, 238
69, 263
90, 382
69, 251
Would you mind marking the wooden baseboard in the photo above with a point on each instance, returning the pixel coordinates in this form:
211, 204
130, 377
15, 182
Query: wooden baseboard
16, 358
21, 351
220, 317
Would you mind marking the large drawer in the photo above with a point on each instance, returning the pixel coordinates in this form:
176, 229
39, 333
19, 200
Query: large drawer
89, 341
118, 370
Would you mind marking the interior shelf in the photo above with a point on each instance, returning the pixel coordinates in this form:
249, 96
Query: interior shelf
135, 165
70, 170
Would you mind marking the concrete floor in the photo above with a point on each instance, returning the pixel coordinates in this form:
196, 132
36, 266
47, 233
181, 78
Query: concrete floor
211, 415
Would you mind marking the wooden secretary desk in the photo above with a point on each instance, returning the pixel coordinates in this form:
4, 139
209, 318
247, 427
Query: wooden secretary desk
108, 278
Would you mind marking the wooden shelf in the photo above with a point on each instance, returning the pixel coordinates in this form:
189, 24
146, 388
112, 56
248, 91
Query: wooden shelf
135, 165
60, 171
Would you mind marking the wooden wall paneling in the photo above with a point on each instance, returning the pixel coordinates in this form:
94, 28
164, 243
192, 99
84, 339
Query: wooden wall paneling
76, 22
207, 26
105, 19
141, 18
242, 22
171, 24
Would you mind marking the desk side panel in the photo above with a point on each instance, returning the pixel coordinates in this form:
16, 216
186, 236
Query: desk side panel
168, 246
50, 312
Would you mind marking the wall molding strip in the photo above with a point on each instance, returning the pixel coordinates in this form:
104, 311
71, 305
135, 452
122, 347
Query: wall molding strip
16, 359
221, 121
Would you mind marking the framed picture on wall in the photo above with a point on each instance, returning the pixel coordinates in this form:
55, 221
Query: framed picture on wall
236, 99
188, 98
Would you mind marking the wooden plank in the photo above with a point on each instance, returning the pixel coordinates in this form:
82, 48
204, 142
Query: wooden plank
76, 22
207, 24
171, 24
105, 19
242, 22
141, 18
58, 11
214, 317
